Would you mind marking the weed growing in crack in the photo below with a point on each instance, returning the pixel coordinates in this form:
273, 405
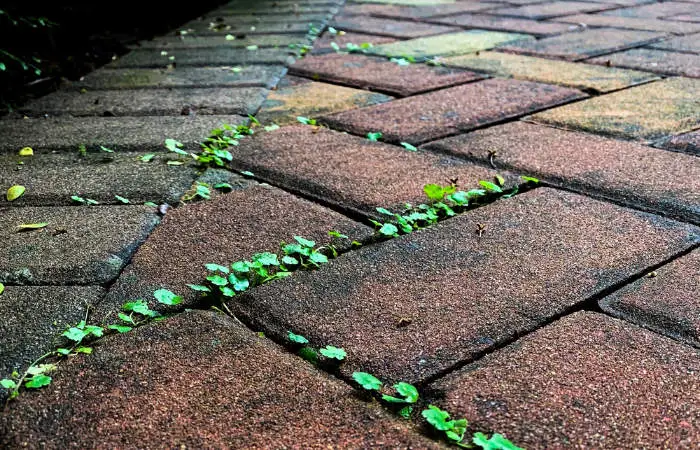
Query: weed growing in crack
77, 339
215, 148
330, 356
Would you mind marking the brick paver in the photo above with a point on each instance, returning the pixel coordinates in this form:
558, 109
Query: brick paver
652, 60
586, 381
153, 102
135, 383
191, 41
689, 143
202, 57
665, 300
420, 12
378, 74
80, 245
323, 45
400, 29
449, 111
450, 44
512, 24
689, 44
584, 44
632, 23
654, 10
301, 97
551, 9
350, 171
625, 171
229, 228
142, 134
648, 112
580, 76
462, 293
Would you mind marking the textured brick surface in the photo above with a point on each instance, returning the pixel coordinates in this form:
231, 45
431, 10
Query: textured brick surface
665, 301
401, 29
51, 179
448, 111
229, 228
323, 44
512, 24
584, 44
657, 61
379, 74
420, 12
202, 27
650, 111
451, 44
685, 18
586, 381
201, 57
655, 10
462, 293
80, 244
625, 171
155, 377
32, 318
347, 170
151, 102
300, 97
247, 76
689, 44
632, 23
117, 133
167, 43
576, 75
689, 143
551, 9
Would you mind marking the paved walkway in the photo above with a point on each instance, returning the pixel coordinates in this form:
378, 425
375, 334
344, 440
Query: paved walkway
563, 313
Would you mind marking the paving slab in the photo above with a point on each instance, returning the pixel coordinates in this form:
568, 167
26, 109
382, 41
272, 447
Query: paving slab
296, 97
408, 2
142, 134
189, 41
685, 18
463, 294
400, 29
652, 60
627, 172
511, 24
52, 178
155, 378
33, 316
150, 102
579, 45
202, 57
245, 76
220, 16
378, 74
654, 10
277, 8
688, 143
419, 12
581, 76
323, 44
646, 112
449, 111
586, 381
632, 23
350, 171
80, 244
451, 44
665, 301
223, 230
549, 10
689, 44
233, 26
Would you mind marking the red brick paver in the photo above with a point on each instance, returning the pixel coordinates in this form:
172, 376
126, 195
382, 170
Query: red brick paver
400, 29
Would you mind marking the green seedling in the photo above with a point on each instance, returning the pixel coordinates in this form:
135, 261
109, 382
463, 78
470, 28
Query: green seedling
454, 429
374, 137
85, 201
306, 120
495, 442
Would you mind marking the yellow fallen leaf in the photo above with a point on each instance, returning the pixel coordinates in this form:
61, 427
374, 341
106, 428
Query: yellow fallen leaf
32, 226
26, 151
15, 192
2, 288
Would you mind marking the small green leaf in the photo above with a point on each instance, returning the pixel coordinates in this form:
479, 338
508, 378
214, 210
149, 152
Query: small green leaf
175, 146
490, 186
167, 297
94, 330
406, 412
271, 127
530, 179
85, 350
199, 288
289, 260
151, 204
105, 149
251, 47
63, 351
409, 147
304, 242
500, 180
238, 284
389, 229
223, 186
306, 120
434, 192
216, 268
126, 318
308, 354
122, 199
147, 157
318, 258
15, 192
297, 338
337, 234
8, 384
240, 267
227, 291
2, 288
120, 328
38, 381
437, 418
32, 226
247, 173
266, 259
74, 334
333, 352
230, 37
217, 280
374, 137
385, 212
367, 381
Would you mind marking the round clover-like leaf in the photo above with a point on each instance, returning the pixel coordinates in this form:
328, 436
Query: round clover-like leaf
367, 381
297, 338
38, 381
167, 297
333, 352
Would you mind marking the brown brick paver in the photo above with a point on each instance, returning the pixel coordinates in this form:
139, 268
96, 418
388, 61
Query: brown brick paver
213, 382
632, 23
654, 10
449, 111
202, 57
378, 74
657, 61
323, 44
420, 12
462, 293
689, 44
665, 300
551, 9
625, 171
512, 24
586, 381
400, 29
689, 143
